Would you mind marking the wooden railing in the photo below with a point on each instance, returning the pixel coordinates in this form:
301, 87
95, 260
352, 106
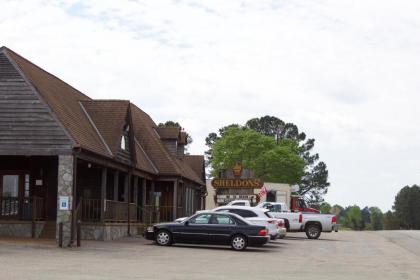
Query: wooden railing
117, 211
30, 208
90, 210
9, 207
157, 214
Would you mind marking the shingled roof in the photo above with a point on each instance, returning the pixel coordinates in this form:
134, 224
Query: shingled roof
169, 132
97, 125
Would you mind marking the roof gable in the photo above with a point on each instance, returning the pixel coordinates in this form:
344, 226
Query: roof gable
27, 126
63, 100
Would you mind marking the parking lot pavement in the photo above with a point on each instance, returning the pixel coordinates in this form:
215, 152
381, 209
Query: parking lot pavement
343, 255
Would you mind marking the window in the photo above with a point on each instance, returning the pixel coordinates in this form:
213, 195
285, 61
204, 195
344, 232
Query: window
26, 185
200, 219
123, 143
239, 204
246, 213
240, 212
221, 220
10, 185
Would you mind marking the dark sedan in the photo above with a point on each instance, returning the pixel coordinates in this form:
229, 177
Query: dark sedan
210, 228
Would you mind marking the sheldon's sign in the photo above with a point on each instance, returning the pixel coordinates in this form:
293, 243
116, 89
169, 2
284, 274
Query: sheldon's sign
237, 183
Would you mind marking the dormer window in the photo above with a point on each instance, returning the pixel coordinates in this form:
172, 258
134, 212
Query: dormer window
124, 138
123, 143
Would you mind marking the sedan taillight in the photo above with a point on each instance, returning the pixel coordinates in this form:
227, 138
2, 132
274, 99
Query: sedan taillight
280, 223
262, 232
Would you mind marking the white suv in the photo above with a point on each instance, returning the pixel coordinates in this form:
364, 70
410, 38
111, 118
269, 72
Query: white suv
256, 216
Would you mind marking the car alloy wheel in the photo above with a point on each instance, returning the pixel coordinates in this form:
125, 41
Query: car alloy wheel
238, 243
163, 238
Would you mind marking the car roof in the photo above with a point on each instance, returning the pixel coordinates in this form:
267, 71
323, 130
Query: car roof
221, 213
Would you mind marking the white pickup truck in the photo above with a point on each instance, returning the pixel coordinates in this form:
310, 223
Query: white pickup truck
311, 223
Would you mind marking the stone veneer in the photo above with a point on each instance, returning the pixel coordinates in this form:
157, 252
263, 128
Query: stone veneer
20, 229
106, 232
65, 188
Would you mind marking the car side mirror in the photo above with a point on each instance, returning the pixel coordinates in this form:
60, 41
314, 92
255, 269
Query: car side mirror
186, 223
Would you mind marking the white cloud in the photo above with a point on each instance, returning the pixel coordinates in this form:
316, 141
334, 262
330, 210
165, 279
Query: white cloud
346, 72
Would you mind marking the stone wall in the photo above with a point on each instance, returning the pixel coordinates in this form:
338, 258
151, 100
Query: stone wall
20, 229
107, 232
65, 188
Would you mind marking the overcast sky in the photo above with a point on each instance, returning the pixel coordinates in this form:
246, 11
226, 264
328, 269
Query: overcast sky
346, 72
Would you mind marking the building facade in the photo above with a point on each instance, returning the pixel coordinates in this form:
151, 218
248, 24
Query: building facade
237, 183
66, 158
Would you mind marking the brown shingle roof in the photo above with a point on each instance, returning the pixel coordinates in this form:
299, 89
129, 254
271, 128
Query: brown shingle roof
168, 132
196, 162
147, 135
109, 117
63, 100
96, 125
183, 138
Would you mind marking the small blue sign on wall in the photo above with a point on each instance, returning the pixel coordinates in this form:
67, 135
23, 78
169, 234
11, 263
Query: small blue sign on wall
63, 203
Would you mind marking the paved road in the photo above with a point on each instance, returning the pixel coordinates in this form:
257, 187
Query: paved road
343, 255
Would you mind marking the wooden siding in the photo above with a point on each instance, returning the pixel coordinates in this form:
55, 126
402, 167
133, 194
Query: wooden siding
26, 124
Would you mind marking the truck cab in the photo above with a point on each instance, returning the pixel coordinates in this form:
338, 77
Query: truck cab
298, 204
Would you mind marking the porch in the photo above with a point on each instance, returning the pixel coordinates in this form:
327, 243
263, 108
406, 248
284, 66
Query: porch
108, 201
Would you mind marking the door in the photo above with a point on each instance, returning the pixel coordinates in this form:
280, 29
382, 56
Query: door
10, 195
194, 230
220, 229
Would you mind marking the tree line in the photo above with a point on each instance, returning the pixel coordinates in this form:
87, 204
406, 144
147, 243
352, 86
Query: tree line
405, 213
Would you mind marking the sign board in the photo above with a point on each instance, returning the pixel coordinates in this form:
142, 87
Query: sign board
38, 182
63, 203
237, 183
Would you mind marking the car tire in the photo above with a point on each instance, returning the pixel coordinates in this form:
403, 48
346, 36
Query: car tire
238, 242
282, 236
313, 231
163, 238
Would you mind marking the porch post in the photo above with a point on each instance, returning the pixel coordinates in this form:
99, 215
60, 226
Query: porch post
65, 196
144, 192
116, 177
143, 198
136, 197
103, 192
136, 190
126, 187
128, 198
175, 199
152, 193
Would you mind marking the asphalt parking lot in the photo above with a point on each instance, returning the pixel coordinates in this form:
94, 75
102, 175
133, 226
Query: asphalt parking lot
343, 255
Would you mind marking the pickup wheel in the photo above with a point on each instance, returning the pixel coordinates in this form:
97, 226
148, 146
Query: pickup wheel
313, 231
